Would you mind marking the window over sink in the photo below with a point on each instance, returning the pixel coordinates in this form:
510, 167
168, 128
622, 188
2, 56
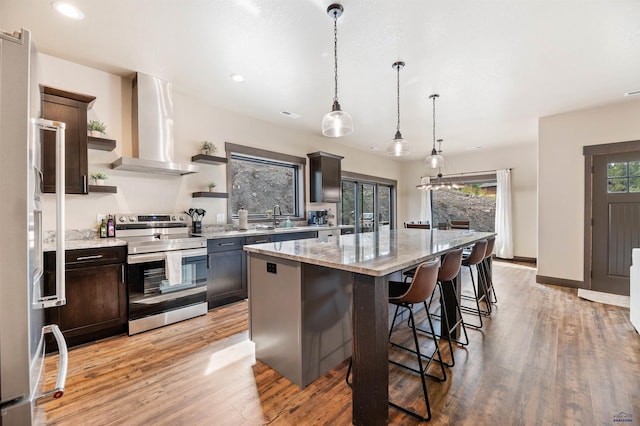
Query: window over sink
258, 180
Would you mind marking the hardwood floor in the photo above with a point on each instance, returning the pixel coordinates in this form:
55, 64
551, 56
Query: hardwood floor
545, 357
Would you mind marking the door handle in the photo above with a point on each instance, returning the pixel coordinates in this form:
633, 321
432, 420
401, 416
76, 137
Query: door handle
95, 256
63, 364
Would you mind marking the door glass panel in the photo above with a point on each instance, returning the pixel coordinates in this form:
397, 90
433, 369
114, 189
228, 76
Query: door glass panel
634, 184
384, 208
347, 216
616, 185
367, 211
617, 169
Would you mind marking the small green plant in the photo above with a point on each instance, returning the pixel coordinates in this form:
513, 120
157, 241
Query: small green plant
208, 147
97, 126
98, 175
211, 185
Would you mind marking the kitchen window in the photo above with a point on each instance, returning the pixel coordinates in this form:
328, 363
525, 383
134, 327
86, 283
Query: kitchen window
258, 180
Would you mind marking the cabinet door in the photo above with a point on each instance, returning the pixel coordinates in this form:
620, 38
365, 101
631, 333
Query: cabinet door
325, 173
96, 304
227, 280
73, 112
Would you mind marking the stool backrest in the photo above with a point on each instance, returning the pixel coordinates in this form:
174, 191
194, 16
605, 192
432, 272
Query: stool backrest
477, 253
450, 266
491, 243
459, 224
423, 284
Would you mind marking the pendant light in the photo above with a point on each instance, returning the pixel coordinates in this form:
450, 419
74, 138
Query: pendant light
435, 160
399, 146
336, 123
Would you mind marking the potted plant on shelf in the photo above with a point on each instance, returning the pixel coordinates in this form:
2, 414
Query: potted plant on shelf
98, 177
96, 128
208, 148
212, 186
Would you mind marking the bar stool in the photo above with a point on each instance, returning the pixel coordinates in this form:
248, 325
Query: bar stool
475, 257
487, 271
449, 270
405, 295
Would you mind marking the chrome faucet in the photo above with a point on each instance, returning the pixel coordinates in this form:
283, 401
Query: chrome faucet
276, 207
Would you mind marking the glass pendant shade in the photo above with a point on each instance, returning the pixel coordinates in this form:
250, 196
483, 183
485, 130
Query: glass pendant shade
398, 147
434, 160
337, 123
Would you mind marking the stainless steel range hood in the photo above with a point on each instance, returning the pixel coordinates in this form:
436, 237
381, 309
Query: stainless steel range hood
152, 124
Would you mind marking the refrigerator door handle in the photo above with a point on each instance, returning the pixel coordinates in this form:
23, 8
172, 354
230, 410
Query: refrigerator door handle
63, 363
60, 297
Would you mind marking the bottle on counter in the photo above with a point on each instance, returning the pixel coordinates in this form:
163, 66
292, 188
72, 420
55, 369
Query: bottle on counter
111, 227
243, 219
103, 229
287, 223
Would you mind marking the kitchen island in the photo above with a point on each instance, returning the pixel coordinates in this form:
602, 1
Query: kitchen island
309, 298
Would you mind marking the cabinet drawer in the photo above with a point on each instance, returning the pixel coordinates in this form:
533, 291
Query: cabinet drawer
295, 236
224, 244
88, 257
259, 239
347, 231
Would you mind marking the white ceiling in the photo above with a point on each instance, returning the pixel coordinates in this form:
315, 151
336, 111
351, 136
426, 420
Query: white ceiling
498, 65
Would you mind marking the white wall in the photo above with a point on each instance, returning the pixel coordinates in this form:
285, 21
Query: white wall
561, 180
194, 121
521, 158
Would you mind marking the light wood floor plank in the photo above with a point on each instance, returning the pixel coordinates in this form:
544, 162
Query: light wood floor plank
545, 357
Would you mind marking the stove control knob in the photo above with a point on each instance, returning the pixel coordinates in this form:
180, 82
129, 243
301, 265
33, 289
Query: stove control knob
132, 218
182, 218
173, 218
122, 219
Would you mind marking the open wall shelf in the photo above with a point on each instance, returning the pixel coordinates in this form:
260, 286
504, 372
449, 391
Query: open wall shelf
210, 194
101, 144
209, 159
103, 188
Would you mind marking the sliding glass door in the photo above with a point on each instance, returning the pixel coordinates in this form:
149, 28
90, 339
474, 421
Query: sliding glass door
368, 206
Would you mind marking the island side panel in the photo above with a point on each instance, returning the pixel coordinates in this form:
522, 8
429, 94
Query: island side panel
275, 306
370, 366
327, 328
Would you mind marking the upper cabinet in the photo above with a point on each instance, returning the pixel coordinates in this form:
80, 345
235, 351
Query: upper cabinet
70, 108
325, 173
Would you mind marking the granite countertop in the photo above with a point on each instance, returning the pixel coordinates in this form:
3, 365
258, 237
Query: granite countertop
210, 234
372, 253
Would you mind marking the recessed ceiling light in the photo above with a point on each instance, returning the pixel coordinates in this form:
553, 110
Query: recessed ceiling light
633, 92
374, 148
237, 78
475, 148
290, 114
67, 9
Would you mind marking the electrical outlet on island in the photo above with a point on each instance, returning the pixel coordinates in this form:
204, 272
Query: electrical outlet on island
220, 217
100, 217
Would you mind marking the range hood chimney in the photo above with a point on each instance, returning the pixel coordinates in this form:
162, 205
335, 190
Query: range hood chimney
152, 124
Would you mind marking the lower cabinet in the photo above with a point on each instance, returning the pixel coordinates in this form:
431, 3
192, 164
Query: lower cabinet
96, 294
227, 277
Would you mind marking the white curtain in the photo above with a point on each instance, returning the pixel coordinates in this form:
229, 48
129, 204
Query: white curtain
425, 202
504, 239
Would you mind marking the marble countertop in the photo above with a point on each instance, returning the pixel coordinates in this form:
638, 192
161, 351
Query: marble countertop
372, 253
251, 232
85, 244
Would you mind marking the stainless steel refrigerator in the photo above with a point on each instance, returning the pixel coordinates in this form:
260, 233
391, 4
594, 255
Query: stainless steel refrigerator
22, 296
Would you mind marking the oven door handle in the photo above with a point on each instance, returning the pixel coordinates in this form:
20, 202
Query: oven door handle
154, 257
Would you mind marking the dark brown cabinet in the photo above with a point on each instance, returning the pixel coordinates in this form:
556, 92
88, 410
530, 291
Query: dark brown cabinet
70, 108
95, 291
325, 173
227, 277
